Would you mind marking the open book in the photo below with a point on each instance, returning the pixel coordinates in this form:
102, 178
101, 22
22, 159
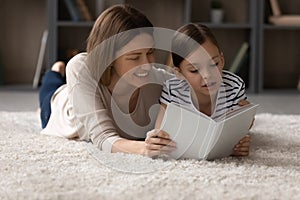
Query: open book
200, 137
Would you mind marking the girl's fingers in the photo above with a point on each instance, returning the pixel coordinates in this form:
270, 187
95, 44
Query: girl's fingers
246, 139
242, 149
245, 144
243, 102
241, 153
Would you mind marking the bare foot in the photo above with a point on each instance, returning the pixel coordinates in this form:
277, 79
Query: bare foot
60, 67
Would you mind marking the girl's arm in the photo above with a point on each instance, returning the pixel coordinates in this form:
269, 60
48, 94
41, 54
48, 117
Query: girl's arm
243, 147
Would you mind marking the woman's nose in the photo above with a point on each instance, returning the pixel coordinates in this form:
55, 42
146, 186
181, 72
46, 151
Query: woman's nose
146, 66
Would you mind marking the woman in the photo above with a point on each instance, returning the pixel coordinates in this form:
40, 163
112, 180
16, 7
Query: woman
110, 90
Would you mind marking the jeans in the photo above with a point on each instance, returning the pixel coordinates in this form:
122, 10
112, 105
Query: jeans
50, 82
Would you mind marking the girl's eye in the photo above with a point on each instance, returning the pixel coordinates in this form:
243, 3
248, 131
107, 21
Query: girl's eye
151, 51
194, 71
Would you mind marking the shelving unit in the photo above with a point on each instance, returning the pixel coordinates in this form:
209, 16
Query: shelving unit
65, 34
239, 26
279, 49
273, 52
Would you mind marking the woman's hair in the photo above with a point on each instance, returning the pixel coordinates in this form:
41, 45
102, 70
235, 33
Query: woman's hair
113, 21
188, 38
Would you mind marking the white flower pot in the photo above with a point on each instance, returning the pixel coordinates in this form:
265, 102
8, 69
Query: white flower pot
216, 16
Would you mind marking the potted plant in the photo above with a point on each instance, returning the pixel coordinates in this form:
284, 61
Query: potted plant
216, 12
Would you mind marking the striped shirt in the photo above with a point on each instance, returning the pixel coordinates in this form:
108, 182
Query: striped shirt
231, 91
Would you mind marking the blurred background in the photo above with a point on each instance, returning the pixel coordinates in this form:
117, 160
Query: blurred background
265, 53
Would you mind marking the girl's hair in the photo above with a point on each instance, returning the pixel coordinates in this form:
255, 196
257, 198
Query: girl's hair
112, 21
188, 38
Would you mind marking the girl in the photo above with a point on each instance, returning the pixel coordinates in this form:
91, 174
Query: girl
106, 98
201, 83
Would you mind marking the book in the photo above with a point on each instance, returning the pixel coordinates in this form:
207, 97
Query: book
40, 61
239, 58
1, 72
200, 137
84, 10
73, 10
282, 19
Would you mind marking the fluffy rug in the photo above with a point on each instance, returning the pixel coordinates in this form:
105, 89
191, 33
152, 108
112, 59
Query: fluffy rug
34, 166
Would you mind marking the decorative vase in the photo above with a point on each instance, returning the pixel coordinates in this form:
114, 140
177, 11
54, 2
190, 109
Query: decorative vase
216, 16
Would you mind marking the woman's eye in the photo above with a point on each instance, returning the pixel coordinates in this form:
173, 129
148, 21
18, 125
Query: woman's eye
133, 58
215, 64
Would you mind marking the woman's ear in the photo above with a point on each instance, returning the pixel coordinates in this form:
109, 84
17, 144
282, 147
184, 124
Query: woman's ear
222, 60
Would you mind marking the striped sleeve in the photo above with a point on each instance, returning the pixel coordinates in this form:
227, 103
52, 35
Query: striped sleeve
234, 88
165, 97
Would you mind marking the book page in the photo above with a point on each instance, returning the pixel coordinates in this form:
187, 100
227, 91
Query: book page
191, 131
231, 130
234, 112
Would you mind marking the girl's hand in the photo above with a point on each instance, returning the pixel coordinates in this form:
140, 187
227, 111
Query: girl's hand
243, 147
243, 102
158, 142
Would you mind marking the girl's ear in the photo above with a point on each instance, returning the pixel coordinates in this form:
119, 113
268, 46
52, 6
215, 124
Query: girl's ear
177, 72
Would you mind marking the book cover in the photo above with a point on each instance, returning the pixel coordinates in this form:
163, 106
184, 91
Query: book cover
73, 10
239, 58
275, 8
84, 10
40, 61
200, 137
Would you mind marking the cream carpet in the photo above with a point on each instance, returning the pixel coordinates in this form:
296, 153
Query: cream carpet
33, 166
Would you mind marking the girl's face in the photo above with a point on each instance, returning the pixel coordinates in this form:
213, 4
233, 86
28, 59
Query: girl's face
134, 60
203, 70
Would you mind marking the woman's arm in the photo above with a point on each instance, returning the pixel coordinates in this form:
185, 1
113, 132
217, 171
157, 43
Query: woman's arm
156, 143
94, 122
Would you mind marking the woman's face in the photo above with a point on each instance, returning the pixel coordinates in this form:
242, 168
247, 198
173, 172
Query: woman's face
133, 63
203, 70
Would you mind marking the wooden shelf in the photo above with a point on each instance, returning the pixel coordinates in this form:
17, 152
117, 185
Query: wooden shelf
245, 20
75, 24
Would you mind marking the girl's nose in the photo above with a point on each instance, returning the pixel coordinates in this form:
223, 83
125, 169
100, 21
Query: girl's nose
205, 73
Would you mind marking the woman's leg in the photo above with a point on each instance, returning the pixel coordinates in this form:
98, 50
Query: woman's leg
51, 81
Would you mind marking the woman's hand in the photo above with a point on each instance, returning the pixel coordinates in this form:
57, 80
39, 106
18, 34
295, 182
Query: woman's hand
158, 142
243, 147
